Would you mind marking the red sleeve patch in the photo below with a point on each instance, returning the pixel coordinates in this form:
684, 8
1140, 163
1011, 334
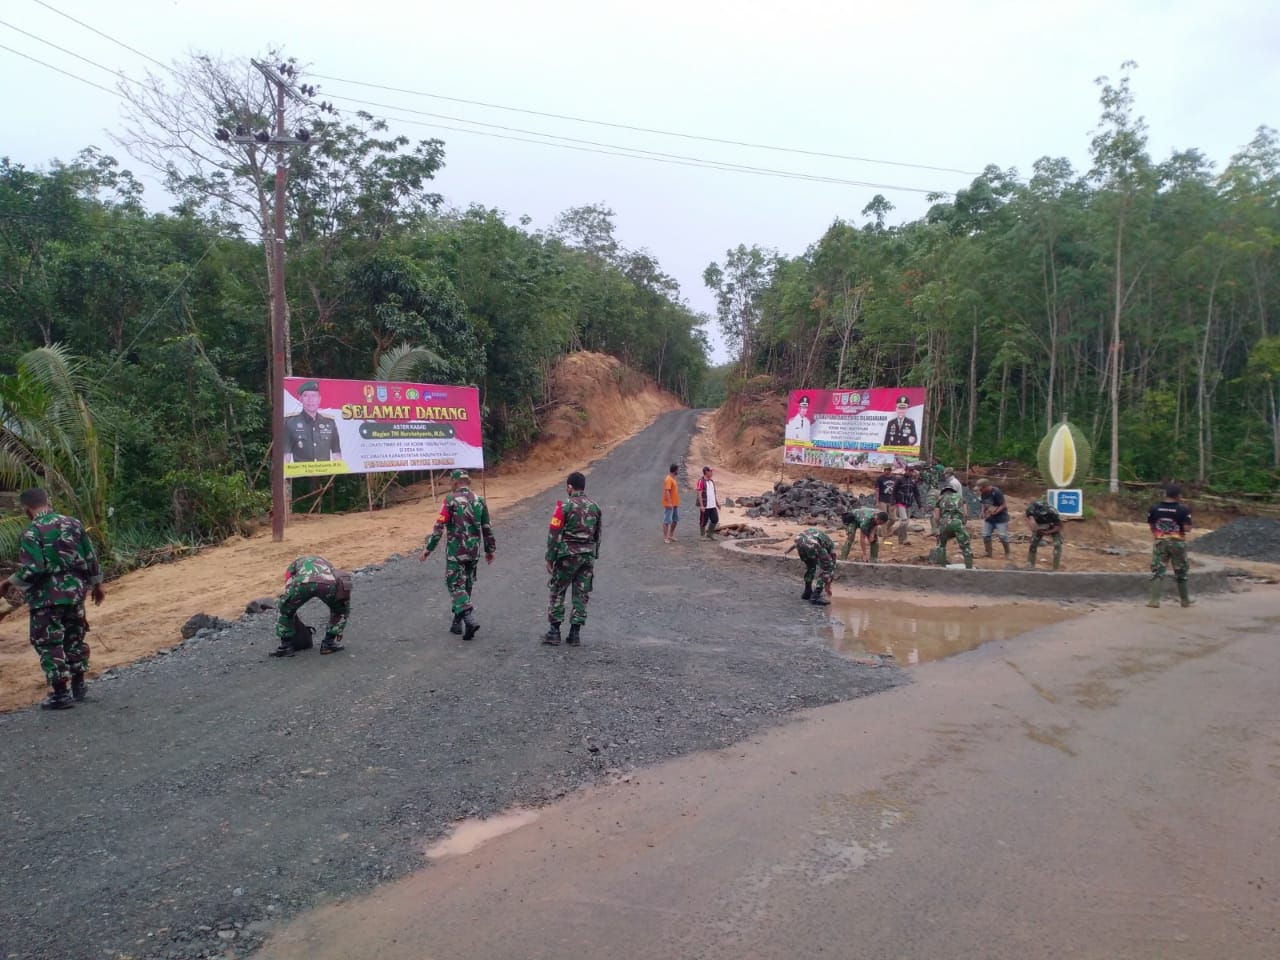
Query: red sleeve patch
557, 518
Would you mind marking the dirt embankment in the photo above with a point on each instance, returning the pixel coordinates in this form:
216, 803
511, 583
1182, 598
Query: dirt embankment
599, 403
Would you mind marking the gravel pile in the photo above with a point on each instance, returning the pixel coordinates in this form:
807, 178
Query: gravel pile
1250, 538
807, 500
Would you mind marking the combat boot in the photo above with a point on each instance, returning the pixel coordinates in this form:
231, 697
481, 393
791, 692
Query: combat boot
1005, 544
284, 650
472, 628
575, 635
330, 646
808, 591
1031, 559
818, 600
456, 626
79, 689
986, 547
1153, 593
1184, 594
552, 637
60, 699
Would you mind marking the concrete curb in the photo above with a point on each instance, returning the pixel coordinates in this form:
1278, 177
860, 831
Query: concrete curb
1044, 585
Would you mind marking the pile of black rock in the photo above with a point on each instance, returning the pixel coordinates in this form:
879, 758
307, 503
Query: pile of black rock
806, 501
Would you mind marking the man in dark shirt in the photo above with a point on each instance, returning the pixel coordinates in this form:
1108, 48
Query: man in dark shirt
906, 494
885, 485
1169, 521
311, 435
995, 516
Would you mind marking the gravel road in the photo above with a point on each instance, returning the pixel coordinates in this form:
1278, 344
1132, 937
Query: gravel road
206, 794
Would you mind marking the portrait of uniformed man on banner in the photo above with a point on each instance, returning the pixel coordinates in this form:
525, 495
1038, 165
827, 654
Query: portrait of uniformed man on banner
901, 431
310, 434
800, 427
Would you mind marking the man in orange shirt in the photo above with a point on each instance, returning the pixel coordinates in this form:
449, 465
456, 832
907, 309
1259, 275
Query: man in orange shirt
670, 504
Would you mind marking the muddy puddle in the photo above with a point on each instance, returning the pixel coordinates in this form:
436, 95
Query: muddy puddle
910, 633
470, 834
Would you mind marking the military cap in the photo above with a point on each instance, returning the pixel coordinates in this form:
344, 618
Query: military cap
904, 400
459, 475
309, 385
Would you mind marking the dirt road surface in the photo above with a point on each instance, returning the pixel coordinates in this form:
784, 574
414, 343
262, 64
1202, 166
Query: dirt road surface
208, 793
1101, 789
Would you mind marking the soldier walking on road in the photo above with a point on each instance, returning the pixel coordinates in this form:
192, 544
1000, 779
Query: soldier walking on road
573, 546
310, 578
818, 553
1169, 521
1045, 522
865, 524
464, 522
57, 567
949, 517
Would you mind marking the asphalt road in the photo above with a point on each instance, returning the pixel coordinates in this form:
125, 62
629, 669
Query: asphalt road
207, 794
1101, 789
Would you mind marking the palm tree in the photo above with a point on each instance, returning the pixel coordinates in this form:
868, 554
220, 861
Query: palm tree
401, 363
49, 437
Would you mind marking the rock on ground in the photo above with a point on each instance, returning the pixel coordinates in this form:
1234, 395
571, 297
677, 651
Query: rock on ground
1249, 538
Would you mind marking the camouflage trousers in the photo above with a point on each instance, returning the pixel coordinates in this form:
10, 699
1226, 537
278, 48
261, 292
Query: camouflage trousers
819, 564
575, 572
953, 529
1173, 552
460, 578
296, 594
873, 540
57, 633
1037, 538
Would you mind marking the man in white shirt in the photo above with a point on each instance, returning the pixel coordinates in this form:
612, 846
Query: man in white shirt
708, 505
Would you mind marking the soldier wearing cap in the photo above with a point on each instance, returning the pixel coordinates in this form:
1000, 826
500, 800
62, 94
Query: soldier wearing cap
464, 521
311, 435
901, 432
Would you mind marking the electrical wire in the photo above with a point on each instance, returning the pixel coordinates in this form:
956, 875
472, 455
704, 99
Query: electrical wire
654, 130
646, 154
105, 36
67, 73
70, 53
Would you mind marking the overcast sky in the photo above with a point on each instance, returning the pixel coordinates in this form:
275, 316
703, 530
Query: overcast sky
943, 84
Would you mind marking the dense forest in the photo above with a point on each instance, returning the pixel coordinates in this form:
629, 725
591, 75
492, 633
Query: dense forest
135, 346
1139, 298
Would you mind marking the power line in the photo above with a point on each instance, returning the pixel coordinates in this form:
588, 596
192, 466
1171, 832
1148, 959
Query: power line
105, 36
613, 150
700, 161
70, 53
638, 129
568, 143
560, 116
26, 56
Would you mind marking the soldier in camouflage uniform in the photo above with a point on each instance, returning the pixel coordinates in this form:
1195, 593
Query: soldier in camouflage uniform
57, 567
308, 578
464, 516
1045, 522
865, 524
573, 546
818, 553
948, 516
1169, 521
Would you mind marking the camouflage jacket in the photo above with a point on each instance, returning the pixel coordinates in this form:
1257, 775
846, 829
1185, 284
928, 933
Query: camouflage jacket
56, 562
1043, 515
951, 505
575, 529
813, 541
864, 518
310, 570
464, 516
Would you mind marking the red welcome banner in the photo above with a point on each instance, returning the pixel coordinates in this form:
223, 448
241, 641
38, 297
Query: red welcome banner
854, 429
372, 426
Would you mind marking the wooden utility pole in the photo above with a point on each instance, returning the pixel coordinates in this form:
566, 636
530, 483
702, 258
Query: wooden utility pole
282, 81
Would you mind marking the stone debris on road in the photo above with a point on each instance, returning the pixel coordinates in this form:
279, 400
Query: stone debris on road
1249, 538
